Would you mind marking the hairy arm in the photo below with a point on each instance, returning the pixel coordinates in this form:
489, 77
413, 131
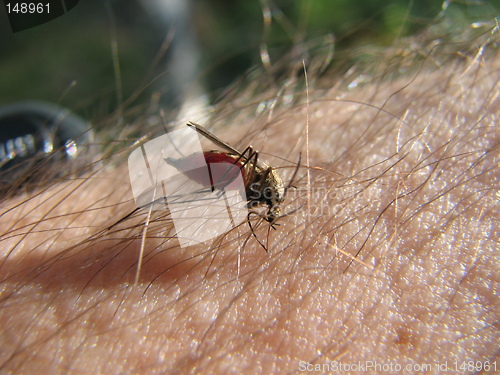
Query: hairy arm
389, 254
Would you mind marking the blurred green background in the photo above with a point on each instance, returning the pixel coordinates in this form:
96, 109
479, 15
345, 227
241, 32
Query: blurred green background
69, 60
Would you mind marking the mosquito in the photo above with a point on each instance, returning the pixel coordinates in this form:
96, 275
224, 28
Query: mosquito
263, 185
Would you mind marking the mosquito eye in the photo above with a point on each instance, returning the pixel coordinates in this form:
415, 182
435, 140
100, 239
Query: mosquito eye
278, 196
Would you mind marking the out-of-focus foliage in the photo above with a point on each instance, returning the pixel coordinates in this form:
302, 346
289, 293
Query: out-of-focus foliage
41, 63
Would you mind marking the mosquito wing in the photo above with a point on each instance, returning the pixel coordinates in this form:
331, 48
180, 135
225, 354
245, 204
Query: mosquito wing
219, 142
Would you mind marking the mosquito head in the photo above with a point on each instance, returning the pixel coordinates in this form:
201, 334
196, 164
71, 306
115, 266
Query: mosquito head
272, 214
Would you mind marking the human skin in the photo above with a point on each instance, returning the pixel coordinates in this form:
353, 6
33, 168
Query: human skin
389, 252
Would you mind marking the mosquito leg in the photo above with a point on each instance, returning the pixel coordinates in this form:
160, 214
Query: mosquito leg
294, 173
251, 158
251, 155
253, 231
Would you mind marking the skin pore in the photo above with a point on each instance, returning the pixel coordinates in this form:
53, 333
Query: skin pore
389, 254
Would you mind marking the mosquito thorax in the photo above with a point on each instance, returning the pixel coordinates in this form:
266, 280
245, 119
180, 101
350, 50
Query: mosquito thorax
266, 187
278, 196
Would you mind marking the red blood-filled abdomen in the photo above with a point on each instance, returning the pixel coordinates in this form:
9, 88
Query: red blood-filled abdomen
222, 172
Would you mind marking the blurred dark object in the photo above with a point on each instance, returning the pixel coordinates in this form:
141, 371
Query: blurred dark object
39, 143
